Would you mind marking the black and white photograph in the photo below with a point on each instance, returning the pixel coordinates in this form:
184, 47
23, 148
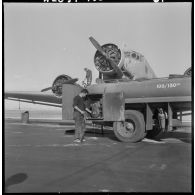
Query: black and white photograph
97, 97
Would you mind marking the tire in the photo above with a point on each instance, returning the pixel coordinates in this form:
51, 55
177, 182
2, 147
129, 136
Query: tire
133, 129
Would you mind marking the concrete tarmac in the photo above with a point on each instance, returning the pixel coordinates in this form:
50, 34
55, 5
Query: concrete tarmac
43, 158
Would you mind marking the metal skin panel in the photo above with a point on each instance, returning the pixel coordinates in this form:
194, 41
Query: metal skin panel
113, 107
68, 93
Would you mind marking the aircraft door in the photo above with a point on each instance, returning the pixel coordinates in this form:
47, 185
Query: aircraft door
114, 106
69, 91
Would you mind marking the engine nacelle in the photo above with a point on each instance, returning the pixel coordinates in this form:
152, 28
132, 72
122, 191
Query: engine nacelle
57, 84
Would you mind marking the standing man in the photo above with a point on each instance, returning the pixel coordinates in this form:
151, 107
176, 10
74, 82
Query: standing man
161, 119
88, 76
79, 105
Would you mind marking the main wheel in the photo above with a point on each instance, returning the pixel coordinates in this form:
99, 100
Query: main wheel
133, 129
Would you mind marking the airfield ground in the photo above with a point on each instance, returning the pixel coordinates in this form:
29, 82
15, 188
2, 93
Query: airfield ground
43, 158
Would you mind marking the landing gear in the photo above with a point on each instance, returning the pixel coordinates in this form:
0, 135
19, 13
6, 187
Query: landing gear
133, 129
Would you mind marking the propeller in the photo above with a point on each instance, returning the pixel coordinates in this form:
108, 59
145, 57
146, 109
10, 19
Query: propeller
99, 48
70, 81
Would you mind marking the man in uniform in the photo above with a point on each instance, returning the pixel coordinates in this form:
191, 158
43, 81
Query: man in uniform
80, 108
88, 76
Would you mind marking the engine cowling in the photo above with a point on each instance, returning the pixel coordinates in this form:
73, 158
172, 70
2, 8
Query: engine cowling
57, 84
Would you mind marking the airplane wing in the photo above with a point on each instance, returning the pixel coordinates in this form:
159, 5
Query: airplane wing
34, 97
48, 99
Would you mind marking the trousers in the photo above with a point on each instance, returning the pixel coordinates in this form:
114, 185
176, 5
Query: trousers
79, 125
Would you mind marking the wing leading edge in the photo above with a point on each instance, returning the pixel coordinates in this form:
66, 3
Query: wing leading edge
34, 97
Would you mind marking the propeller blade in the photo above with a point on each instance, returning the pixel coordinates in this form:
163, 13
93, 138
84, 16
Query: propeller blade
97, 46
115, 68
46, 89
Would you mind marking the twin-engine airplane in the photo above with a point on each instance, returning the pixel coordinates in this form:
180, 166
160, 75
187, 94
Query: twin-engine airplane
110, 61
127, 91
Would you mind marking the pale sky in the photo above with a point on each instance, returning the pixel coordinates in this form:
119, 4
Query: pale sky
43, 41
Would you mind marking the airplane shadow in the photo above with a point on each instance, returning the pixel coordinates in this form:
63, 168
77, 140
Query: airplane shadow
15, 179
